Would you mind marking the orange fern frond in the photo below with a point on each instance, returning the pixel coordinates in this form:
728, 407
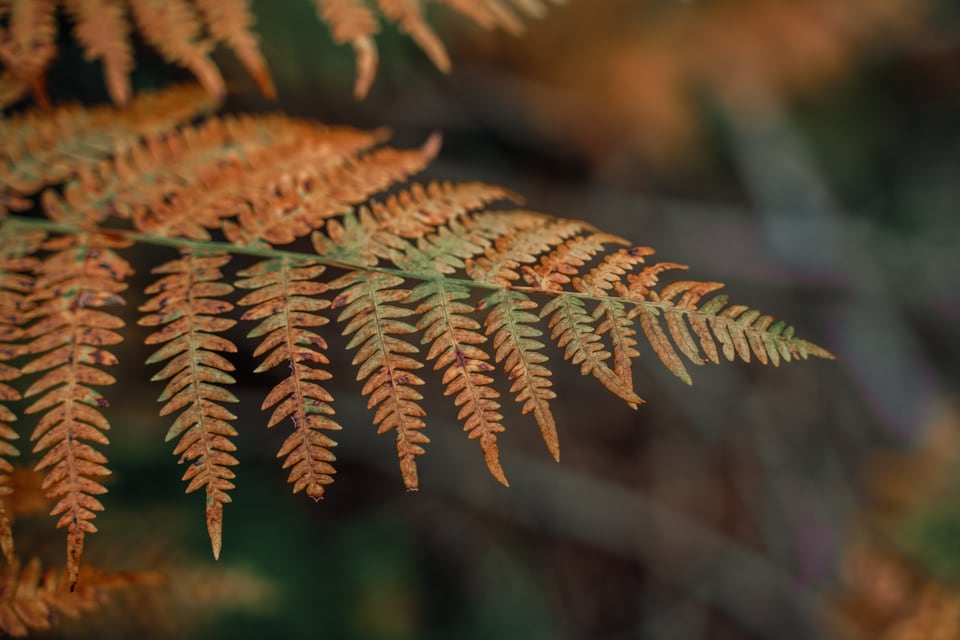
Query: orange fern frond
499, 265
385, 231
187, 305
608, 275
513, 326
184, 183
173, 28
82, 274
447, 250
574, 331
374, 321
16, 283
454, 339
26, 48
102, 28
352, 21
230, 22
291, 204
177, 29
614, 321
356, 180
286, 300
739, 330
251, 185
416, 212
408, 14
43, 150
557, 267
32, 598
7, 450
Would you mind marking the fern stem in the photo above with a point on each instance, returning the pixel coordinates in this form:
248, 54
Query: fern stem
267, 252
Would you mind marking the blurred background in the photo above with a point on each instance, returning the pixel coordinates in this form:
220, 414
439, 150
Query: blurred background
805, 153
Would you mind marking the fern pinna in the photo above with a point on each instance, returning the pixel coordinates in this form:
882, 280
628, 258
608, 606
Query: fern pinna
482, 288
185, 32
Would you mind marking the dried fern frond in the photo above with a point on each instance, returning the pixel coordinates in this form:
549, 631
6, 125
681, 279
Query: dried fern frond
103, 30
374, 321
32, 598
173, 28
177, 28
513, 325
352, 21
455, 340
42, 150
16, 283
285, 299
26, 48
82, 275
188, 307
412, 261
230, 22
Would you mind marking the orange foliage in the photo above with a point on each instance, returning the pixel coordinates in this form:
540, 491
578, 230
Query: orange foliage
625, 75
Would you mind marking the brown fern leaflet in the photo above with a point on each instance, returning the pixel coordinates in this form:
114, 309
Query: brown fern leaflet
374, 322
513, 325
187, 305
385, 267
16, 282
285, 299
178, 30
454, 339
81, 275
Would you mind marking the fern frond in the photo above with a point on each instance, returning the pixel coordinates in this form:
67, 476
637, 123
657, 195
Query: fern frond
556, 268
102, 28
374, 321
173, 28
408, 14
512, 323
500, 262
176, 29
739, 330
230, 22
16, 283
574, 331
82, 275
7, 450
286, 299
291, 202
386, 231
455, 340
185, 183
188, 307
26, 49
32, 598
447, 250
263, 182
40, 150
608, 275
352, 21
615, 322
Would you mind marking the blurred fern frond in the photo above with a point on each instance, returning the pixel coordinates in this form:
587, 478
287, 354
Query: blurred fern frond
185, 32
